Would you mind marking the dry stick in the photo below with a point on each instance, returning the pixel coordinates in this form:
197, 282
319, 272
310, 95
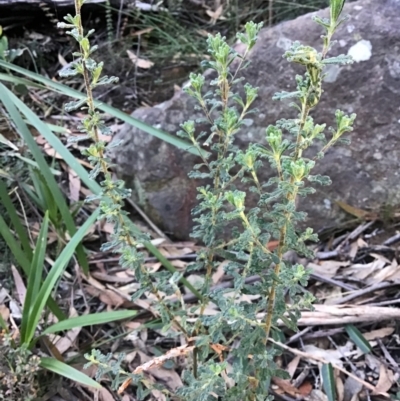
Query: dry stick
363, 291
296, 336
389, 357
270, 12
392, 240
322, 360
147, 219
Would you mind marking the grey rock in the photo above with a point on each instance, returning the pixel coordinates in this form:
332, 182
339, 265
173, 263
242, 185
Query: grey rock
365, 174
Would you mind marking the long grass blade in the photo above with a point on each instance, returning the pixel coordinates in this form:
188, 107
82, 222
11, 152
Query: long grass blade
83, 174
35, 276
55, 273
10, 102
89, 320
12, 213
328, 381
65, 90
24, 262
358, 339
67, 371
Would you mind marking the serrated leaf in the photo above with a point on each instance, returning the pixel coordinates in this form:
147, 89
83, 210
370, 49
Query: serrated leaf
358, 339
328, 381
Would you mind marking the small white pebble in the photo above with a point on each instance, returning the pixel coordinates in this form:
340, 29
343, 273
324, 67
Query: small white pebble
361, 51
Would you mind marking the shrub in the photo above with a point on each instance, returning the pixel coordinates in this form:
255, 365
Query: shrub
230, 355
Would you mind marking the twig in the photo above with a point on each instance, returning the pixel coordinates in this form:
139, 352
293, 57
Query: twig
147, 219
270, 12
392, 240
121, 6
363, 291
327, 255
298, 335
385, 303
389, 357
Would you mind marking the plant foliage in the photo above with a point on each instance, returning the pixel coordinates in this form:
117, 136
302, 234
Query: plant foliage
232, 358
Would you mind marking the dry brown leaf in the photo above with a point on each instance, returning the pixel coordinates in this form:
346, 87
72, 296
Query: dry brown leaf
62, 60
384, 273
333, 356
339, 388
362, 271
142, 31
286, 386
107, 228
50, 151
168, 376
380, 333
305, 389
111, 278
215, 15
93, 282
272, 245
354, 211
396, 275
385, 381
105, 395
344, 314
354, 247
19, 285
333, 294
327, 268
106, 296
74, 183
203, 32
219, 273
4, 312
158, 395
152, 267
64, 343
292, 366
141, 63
179, 264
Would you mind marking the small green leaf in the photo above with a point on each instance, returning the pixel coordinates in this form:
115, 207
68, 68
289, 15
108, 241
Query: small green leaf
328, 381
67, 371
89, 320
358, 339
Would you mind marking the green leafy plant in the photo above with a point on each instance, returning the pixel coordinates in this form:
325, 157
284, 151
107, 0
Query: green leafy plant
230, 355
5, 52
21, 350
